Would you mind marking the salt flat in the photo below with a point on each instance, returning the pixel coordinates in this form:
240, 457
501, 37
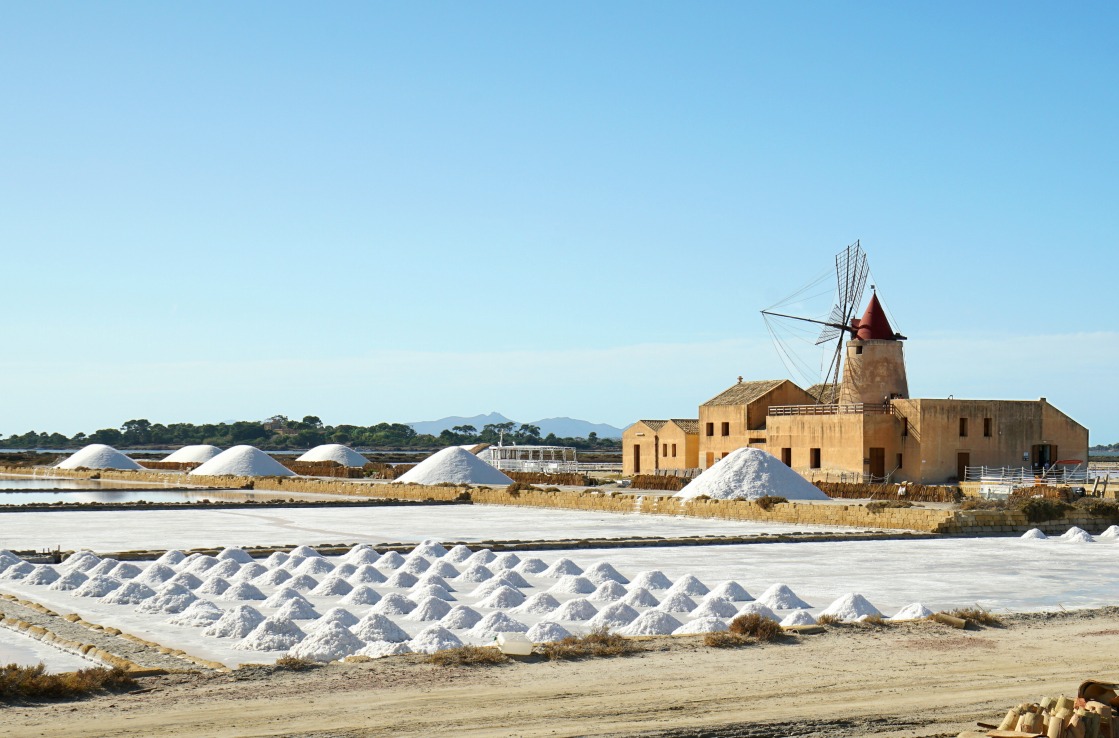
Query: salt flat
125, 530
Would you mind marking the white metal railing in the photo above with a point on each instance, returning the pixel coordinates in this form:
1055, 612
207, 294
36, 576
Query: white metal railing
851, 409
1025, 476
1103, 470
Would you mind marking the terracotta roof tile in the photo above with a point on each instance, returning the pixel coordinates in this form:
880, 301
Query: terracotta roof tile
743, 393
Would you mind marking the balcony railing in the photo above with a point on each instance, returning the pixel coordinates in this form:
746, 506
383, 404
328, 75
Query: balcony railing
849, 409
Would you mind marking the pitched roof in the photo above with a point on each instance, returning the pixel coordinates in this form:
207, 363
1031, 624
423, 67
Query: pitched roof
654, 424
744, 393
827, 394
689, 426
874, 325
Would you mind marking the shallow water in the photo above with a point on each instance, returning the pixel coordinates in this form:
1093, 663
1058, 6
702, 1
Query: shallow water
128, 495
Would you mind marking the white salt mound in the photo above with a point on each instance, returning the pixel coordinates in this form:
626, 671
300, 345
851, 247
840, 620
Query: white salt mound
434, 638
460, 617
376, 627
577, 609
22, 570
538, 604
640, 597
243, 461
459, 554
475, 573
422, 591
916, 611
361, 553
276, 576
344, 455
615, 616
1034, 534
98, 456
690, 586
200, 614
274, 634
444, 569
328, 643
432, 608
394, 604
171, 558
305, 552
186, 579
602, 571
1112, 532
125, 570
249, 572
654, 579
456, 466
275, 559
332, 586
562, 567
366, 574
715, 607
313, 566
431, 548
1077, 535
390, 561
507, 560
798, 617
197, 454
105, 566
336, 615
747, 474
402, 580
732, 591
757, 608
701, 625
197, 563
547, 632
653, 622
502, 598
242, 591
494, 623
416, 565
234, 553
608, 591
381, 649
42, 575
214, 586
677, 602
171, 598
531, 565
303, 583
481, 556
96, 586
282, 595
131, 593
361, 595
851, 607
69, 580
297, 610
571, 584
781, 597
235, 623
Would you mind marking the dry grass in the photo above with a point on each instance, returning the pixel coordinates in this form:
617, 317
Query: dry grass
977, 615
752, 625
726, 639
33, 683
292, 663
468, 656
880, 505
599, 642
828, 620
874, 621
766, 503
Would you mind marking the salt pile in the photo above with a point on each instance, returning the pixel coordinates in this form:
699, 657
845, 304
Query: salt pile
608, 591
780, 597
332, 641
362, 556
125, 570
430, 547
275, 559
156, 574
571, 584
475, 573
507, 560
677, 602
432, 608
335, 615
458, 554
297, 610
732, 591
193, 454
132, 593
531, 566
494, 623
171, 558
690, 586
1034, 534
99, 456
422, 591
402, 580
394, 604
1112, 532
434, 638
235, 623
282, 595
1077, 535
416, 565
361, 595
376, 627
332, 586
69, 580
444, 569
757, 608
276, 576
750, 473
547, 632
198, 563
81, 561
235, 554
242, 591
302, 583
366, 574
503, 598
105, 566
916, 611
562, 567
305, 552
701, 625
460, 617
390, 561
343, 455
577, 609
481, 556
488, 587
538, 604
851, 607
640, 597
453, 465
18, 571
715, 607
314, 566
42, 575
652, 580
381, 649
603, 572
249, 572
653, 622
614, 616
243, 461
186, 579
513, 579
200, 614
274, 634
96, 586
171, 598
798, 617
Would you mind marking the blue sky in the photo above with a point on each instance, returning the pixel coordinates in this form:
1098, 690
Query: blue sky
373, 211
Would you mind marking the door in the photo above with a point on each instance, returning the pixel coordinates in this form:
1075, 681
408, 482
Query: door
636, 458
878, 462
1043, 456
710, 459
963, 461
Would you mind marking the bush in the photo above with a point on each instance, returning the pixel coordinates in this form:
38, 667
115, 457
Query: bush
880, 505
33, 683
978, 504
828, 620
767, 502
1040, 509
1098, 508
875, 621
725, 639
976, 615
468, 656
599, 642
755, 626
293, 663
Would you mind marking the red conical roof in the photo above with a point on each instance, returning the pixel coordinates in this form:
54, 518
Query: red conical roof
874, 325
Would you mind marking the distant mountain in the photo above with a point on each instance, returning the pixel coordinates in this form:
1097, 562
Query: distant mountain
562, 427
574, 428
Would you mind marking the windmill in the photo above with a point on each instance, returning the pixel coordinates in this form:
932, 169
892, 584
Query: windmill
851, 271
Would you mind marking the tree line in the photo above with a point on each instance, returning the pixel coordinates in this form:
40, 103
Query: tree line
279, 432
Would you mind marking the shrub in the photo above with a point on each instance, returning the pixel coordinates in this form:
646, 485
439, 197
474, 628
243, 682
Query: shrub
978, 504
468, 656
725, 639
977, 615
1040, 509
828, 620
880, 505
1098, 508
294, 663
755, 626
875, 621
599, 642
767, 502
33, 683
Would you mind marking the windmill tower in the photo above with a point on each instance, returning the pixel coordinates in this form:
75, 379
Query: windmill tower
874, 372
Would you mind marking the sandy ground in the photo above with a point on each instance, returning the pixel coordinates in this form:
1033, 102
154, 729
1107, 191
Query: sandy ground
919, 679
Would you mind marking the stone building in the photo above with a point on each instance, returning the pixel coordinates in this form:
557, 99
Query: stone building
655, 445
869, 426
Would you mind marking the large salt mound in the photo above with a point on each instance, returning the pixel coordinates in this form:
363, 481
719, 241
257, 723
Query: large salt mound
653, 622
434, 638
171, 558
274, 634
330, 642
243, 461
475, 573
344, 455
249, 572
297, 610
381, 649
132, 593
335, 615
394, 604
362, 594
640, 597
235, 623
431, 548
798, 617
690, 586
456, 466
715, 607
282, 595
42, 575
539, 604
781, 597
432, 608
507, 560
361, 553
531, 565
276, 576
303, 583
444, 569
494, 623
23, 569
390, 561
916, 611
481, 556
188, 580
571, 584
502, 598
677, 602
608, 591
332, 586
757, 608
615, 615
125, 570
215, 586
200, 614
193, 454
1077, 535
750, 473
423, 591
171, 598
547, 632
236, 554
375, 627
81, 561
561, 568
69, 580
732, 591
402, 580
416, 565
851, 607
460, 617
156, 574
654, 579
459, 554
604, 572
105, 566
96, 586
701, 625
99, 456
578, 609
366, 574
242, 591
1112, 532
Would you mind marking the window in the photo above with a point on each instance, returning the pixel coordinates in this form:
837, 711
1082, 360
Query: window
664, 449
858, 349
987, 427
963, 427
787, 456
725, 454
674, 450
905, 426
710, 429
814, 458
899, 461
758, 440
726, 429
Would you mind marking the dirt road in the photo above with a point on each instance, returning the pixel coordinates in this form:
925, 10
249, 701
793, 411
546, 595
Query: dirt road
916, 680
